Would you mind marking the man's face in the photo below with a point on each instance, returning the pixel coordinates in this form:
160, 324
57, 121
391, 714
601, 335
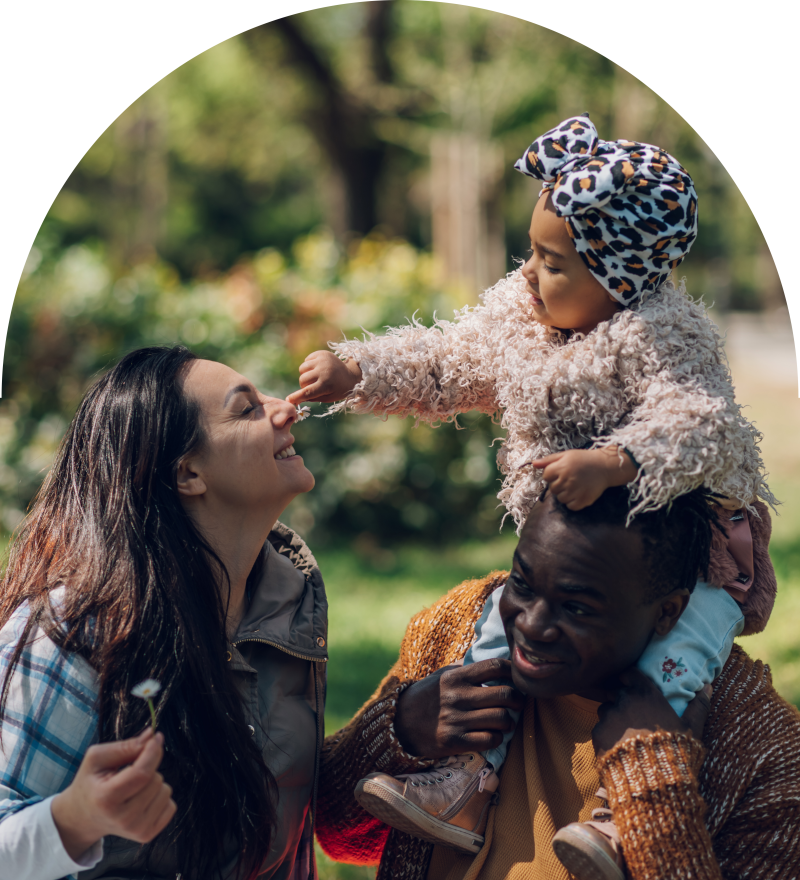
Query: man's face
574, 607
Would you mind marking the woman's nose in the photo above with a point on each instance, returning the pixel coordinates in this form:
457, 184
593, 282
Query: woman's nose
281, 412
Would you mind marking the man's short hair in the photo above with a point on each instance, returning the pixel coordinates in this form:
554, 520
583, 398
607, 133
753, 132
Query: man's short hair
676, 538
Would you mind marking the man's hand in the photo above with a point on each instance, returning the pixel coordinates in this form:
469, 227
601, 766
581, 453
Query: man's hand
449, 712
324, 378
578, 477
639, 707
133, 802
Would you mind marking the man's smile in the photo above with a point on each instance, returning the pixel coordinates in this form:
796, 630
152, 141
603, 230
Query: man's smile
533, 665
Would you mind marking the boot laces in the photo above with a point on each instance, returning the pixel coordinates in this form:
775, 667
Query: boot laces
434, 775
602, 814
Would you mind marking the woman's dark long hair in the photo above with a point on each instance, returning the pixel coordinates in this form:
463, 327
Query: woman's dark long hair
144, 600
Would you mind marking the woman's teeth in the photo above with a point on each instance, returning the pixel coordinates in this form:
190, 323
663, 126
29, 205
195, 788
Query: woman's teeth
286, 453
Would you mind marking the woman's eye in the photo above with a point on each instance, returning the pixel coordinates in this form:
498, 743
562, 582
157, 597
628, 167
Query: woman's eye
551, 269
250, 408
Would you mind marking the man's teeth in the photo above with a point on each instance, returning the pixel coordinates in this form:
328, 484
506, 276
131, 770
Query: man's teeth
534, 659
286, 453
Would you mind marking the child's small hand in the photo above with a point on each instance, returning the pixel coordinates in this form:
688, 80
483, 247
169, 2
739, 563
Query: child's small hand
579, 477
325, 379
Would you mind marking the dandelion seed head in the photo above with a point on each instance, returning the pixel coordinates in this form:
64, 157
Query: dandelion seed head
146, 689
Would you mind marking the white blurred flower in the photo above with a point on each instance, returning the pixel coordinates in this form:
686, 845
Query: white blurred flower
303, 412
146, 689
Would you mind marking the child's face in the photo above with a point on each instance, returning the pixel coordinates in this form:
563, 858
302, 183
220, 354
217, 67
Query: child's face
564, 293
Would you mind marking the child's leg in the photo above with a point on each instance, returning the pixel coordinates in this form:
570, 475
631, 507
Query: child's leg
491, 643
681, 662
693, 654
449, 803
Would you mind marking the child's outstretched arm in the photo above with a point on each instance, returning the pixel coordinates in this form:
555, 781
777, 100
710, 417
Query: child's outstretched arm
324, 378
432, 373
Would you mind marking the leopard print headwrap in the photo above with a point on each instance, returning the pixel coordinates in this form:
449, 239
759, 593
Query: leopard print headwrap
630, 208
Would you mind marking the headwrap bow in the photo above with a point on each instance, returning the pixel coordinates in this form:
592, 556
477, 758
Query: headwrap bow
630, 208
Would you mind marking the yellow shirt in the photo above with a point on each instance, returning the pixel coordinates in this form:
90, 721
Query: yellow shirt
548, 780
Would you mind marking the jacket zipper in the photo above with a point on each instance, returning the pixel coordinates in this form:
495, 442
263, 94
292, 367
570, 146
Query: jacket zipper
281, 648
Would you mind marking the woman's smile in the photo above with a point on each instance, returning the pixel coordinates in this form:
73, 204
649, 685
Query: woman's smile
287, 451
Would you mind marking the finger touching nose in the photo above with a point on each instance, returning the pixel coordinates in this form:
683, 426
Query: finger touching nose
282, 412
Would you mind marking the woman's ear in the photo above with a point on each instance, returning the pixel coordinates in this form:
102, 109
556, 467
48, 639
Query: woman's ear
670, 610
190, 483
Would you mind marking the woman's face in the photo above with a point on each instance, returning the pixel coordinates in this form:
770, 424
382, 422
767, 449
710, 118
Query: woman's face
564, 293
247, 463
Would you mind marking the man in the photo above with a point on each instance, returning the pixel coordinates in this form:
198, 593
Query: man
583, 598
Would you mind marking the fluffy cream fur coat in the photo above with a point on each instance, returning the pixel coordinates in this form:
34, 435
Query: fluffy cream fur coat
652, 380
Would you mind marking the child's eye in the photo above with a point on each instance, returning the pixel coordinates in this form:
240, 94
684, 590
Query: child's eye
551, 269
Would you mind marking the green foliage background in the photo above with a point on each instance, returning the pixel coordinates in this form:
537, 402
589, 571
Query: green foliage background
272, 194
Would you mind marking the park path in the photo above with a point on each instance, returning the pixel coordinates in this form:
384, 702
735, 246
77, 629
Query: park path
760, 349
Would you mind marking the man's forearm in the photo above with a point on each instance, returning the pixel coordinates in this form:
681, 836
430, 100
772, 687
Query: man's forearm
653, 794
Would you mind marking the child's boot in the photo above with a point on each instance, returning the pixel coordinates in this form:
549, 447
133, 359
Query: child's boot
591, 850
448, 804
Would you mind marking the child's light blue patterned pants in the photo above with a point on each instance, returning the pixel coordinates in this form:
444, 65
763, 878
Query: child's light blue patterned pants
690, 656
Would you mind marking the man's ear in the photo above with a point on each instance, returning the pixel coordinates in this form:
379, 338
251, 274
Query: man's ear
190, 483
670, 610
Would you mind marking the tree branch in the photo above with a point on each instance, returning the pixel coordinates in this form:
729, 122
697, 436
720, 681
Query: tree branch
378, 30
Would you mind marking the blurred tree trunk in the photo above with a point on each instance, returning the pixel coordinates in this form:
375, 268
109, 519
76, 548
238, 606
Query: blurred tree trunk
342, 121
139, 182
467, 225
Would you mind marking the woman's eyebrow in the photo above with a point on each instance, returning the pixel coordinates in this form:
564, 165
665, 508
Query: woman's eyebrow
247, 389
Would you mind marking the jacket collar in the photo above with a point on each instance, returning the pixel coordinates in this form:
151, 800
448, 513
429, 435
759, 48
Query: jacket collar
288, 608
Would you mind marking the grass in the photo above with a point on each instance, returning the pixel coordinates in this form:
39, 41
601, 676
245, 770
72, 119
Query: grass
372, 596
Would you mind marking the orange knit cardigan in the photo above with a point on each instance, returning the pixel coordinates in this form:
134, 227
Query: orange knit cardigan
727, 808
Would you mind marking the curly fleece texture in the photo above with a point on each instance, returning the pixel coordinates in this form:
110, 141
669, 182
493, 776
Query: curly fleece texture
653, 380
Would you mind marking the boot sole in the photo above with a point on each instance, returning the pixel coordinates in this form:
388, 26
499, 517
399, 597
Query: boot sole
387, 805
583, 858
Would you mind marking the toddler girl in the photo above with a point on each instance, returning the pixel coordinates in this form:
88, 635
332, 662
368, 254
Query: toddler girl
605, 374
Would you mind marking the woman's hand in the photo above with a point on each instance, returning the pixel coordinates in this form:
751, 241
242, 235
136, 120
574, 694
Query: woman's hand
639, 707
578, 477
325, 378
449, 712
134, 802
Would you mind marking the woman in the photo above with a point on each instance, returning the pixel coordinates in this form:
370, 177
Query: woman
153, 551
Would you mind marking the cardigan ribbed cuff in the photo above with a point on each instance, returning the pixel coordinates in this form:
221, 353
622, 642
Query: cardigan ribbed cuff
651, 783
376, 731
